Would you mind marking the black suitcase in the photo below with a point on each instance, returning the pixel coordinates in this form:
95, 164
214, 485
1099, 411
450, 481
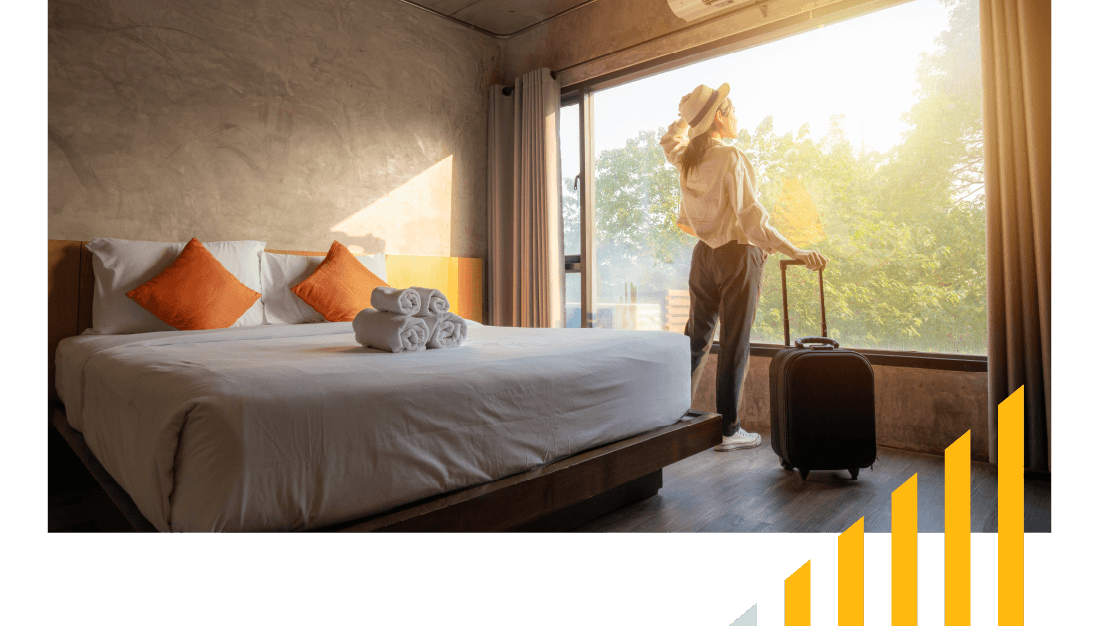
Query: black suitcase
822, 400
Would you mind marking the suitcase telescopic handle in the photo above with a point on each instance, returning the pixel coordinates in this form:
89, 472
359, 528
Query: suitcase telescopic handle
817, 342
784, 286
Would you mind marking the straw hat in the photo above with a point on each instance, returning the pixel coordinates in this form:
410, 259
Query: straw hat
698, 108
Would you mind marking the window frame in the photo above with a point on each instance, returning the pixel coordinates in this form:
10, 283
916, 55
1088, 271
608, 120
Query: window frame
576, 263
581, 94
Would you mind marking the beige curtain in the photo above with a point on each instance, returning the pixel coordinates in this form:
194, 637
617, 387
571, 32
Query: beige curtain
1016, 66
526, 276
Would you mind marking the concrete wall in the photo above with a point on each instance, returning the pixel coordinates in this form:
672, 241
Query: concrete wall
919, 410
286, 121
613, 34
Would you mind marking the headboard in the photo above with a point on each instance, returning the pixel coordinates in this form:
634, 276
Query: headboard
71, 283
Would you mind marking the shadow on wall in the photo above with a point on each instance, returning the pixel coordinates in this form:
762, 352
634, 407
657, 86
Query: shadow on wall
366, 244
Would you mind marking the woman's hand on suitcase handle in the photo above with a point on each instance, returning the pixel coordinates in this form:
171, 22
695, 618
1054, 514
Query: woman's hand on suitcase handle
812, 259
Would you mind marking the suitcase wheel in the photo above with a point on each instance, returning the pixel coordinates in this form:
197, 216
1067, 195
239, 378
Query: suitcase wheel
786, 465
803, 473
854, 471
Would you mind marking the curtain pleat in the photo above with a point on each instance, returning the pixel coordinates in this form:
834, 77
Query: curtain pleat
500, 203
526, 273
1016, 60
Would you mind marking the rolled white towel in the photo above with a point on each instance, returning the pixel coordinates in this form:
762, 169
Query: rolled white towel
445, 330
399, 301
433, 301
389, 331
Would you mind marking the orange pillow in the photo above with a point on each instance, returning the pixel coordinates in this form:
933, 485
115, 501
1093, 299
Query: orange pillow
195, 292
341, 287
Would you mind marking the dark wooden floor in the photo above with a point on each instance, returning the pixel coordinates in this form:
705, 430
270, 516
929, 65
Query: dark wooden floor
748, 491
741, 491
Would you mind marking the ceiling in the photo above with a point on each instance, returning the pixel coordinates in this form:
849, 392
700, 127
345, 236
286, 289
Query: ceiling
500, 17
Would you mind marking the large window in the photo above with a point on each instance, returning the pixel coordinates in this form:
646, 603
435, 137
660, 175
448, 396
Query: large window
866, 136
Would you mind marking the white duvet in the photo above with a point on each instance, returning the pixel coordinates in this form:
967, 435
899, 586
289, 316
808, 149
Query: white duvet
284, 427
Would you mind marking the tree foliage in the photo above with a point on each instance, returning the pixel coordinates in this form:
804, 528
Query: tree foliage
904, 230
637, 203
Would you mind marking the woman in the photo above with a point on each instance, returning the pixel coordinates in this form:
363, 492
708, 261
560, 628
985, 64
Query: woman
719, 206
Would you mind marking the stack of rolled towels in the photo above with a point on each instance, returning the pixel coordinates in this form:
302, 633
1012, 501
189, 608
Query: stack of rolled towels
408, 320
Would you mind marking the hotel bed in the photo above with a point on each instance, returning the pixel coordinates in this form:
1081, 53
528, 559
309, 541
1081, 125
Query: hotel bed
297, 427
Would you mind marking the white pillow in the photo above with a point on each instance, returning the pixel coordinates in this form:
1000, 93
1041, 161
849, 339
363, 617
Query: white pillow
280, 272
121, 265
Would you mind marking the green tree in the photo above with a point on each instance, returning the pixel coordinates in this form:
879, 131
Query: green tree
637, 203
904, 230
935, 179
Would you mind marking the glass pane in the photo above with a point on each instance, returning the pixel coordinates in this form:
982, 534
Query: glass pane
866, 137
570, 157
641, 276
573, 299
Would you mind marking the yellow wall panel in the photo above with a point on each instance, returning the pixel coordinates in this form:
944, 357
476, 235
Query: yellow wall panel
460, 279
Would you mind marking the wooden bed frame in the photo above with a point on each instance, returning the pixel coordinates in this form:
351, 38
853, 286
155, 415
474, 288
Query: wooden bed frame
556, 497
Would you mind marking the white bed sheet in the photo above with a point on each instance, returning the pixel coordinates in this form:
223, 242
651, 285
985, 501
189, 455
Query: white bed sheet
296, 426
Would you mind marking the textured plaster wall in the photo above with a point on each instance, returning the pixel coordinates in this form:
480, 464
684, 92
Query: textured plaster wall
287, 121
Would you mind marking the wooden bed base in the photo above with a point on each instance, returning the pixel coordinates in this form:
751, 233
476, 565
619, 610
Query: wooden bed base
555, 497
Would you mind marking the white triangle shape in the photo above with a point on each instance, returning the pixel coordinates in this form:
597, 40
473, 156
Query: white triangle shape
748, 619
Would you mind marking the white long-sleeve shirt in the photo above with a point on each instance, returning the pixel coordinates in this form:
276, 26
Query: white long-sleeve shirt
719, 199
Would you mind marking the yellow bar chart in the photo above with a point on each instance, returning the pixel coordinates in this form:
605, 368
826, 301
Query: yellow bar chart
957, 540
957, 532
904, 553
1011, 509
850, 575
797, 597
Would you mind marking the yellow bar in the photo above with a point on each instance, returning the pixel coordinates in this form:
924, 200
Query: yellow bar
957, 532
1011, 509
850, 575
904, 553
797, 597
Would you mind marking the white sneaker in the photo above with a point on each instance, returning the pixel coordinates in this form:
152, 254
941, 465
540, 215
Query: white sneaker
741, 440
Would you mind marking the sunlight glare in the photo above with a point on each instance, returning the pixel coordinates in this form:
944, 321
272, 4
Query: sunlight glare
413, 219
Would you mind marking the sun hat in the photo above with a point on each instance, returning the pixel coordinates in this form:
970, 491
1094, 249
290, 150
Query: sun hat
698, 108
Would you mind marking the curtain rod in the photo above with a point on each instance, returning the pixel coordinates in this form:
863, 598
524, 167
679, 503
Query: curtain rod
508, 90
